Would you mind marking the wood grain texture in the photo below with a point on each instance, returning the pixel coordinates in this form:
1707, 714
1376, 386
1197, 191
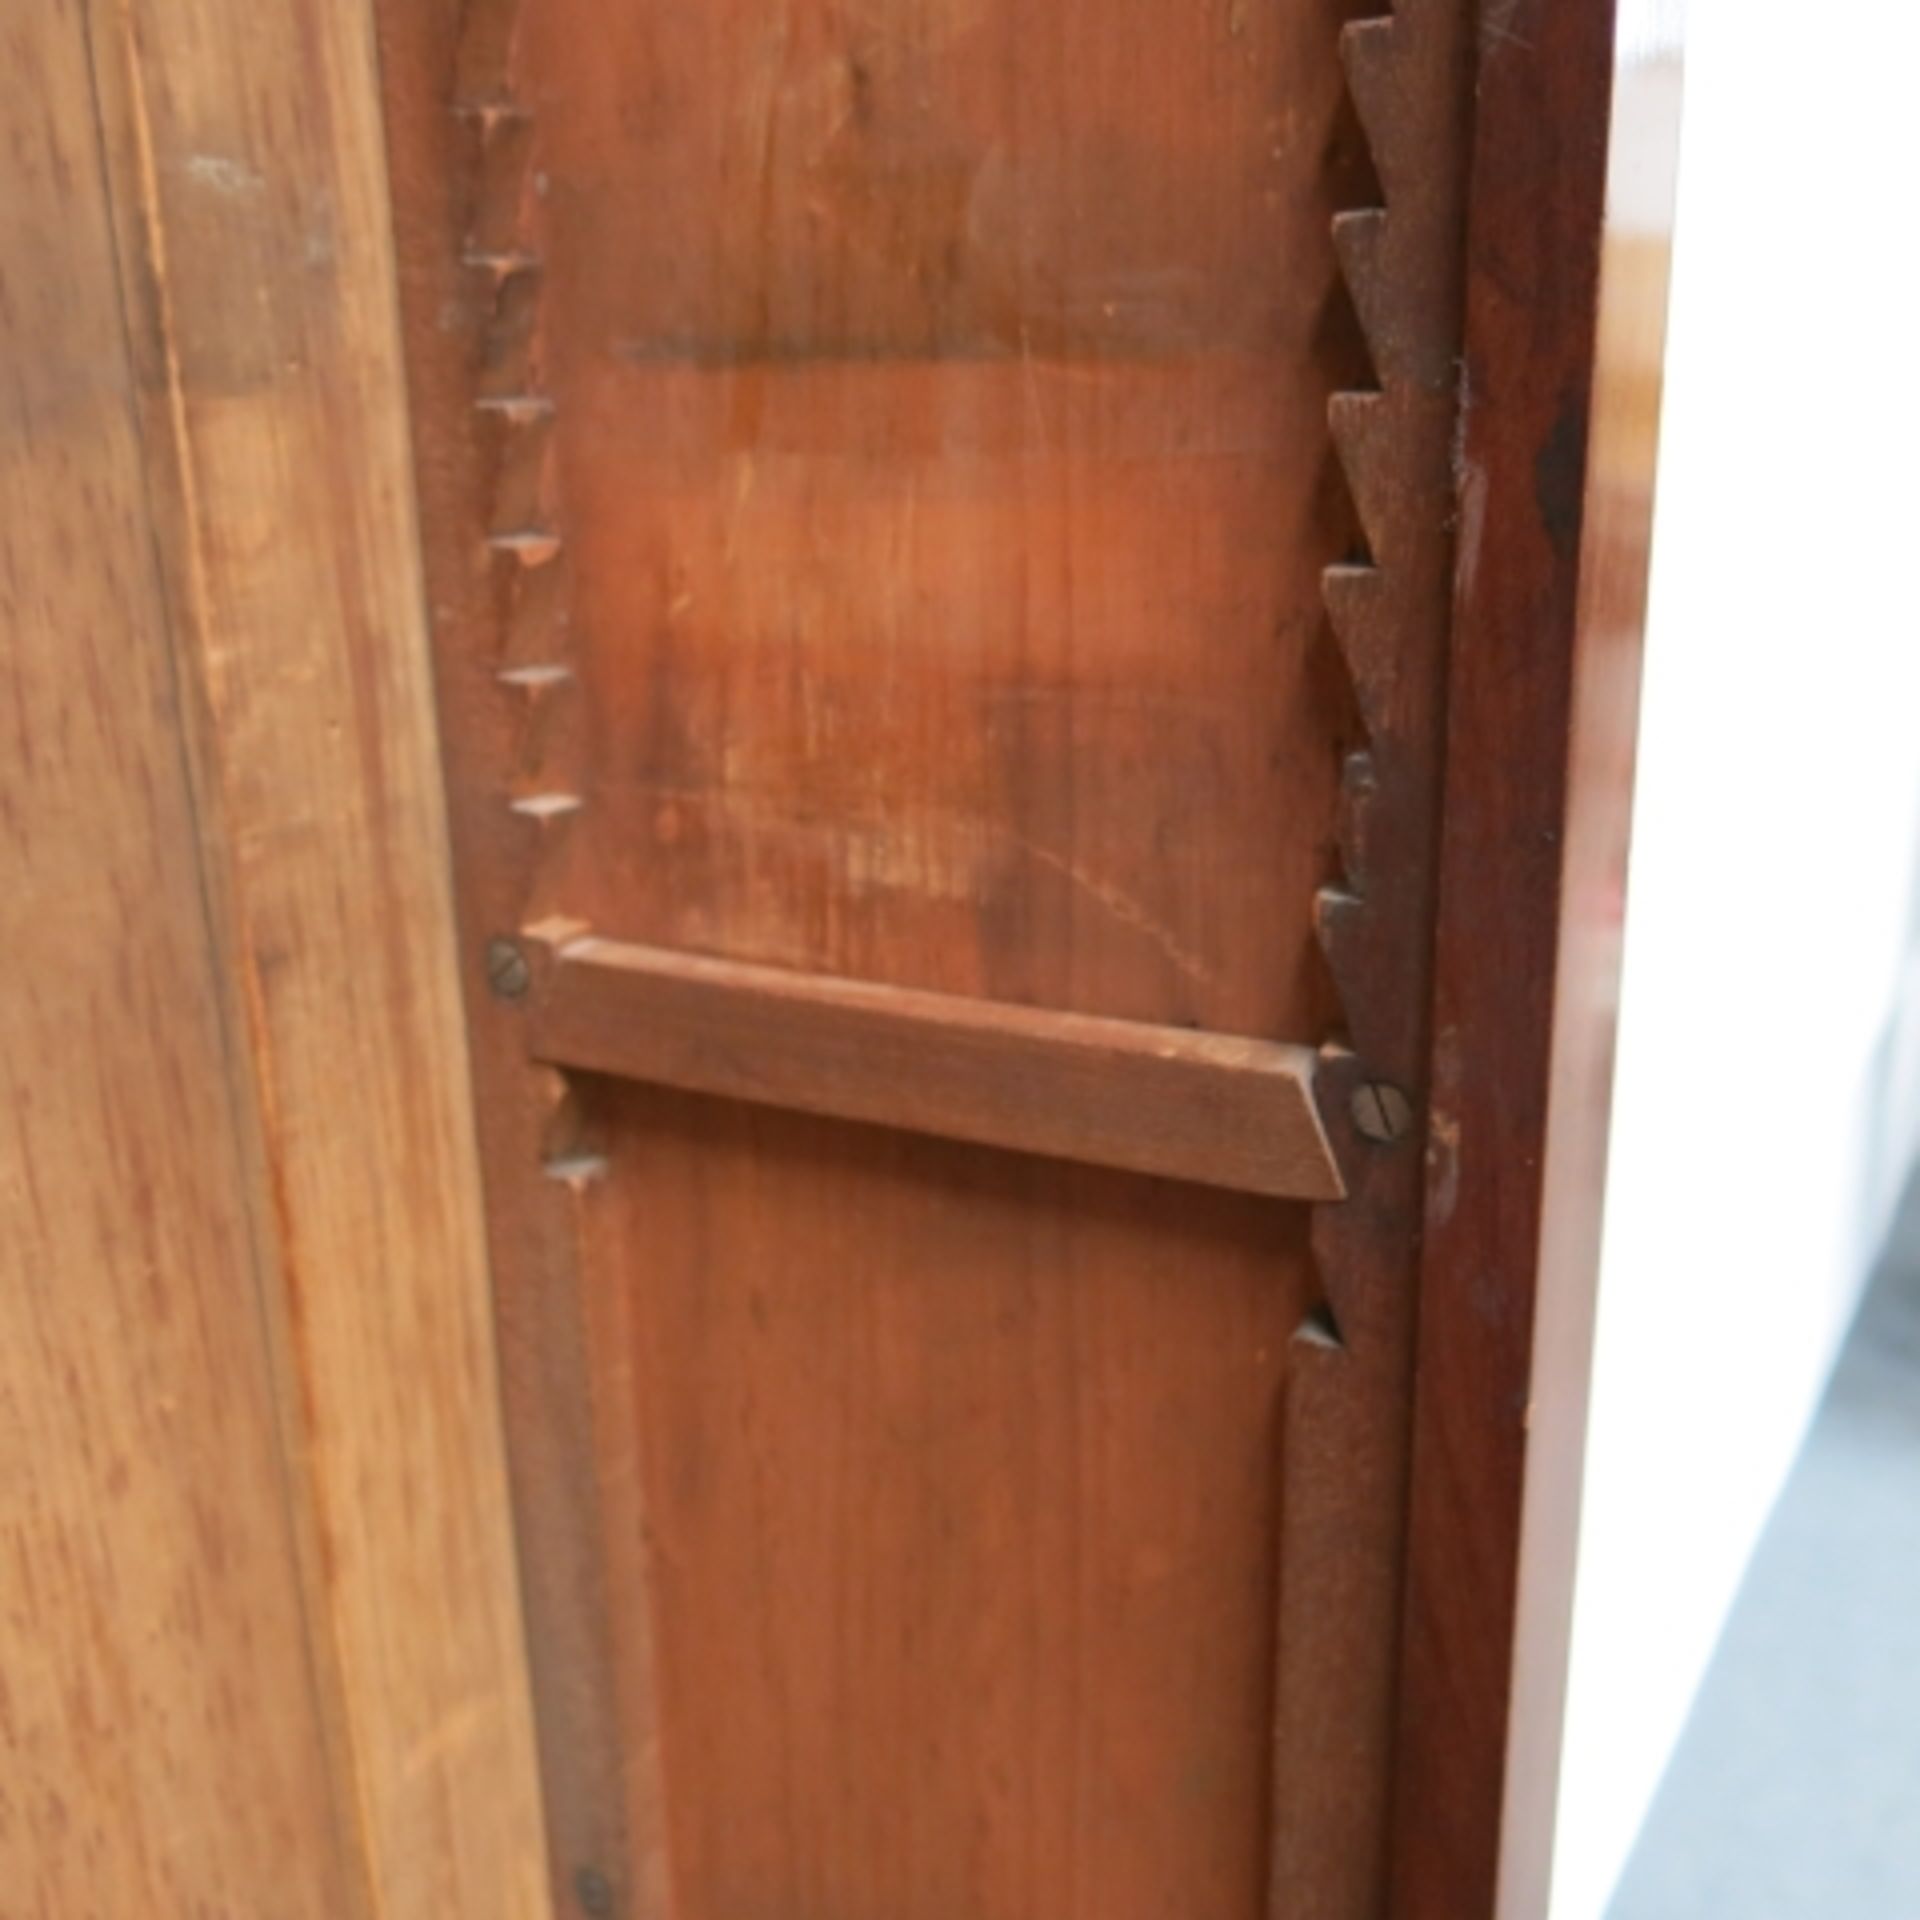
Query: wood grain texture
946, 1476
1557, 449
1051, 740
877, 483
458, 146
942, 465
1207, 1107
1344, 1496
245, 159
160, 1735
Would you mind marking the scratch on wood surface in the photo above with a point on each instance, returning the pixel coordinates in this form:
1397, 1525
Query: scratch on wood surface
461, 1726
1124, 908
1497, 29
224, 174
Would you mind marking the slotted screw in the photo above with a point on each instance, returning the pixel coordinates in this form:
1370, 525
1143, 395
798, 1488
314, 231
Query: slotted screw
1381, 1112
594, 1891
508, 974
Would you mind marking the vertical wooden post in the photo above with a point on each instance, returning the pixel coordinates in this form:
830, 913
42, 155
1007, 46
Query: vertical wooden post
159, 1734
247, 170
1556, 449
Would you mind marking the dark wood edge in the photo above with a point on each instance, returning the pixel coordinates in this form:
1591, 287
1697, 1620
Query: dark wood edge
1213, 1108
1549, 602
452, 108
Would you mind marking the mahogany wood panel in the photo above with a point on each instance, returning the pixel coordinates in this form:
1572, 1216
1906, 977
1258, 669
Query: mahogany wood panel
1114, 1093
940, 467
878, 489
160, 1736
948, 1476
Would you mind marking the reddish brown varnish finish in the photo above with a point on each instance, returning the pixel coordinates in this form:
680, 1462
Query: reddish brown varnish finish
939, 449
1347, 1403
951, 1490
879, 493
1565, 318
1207, 1107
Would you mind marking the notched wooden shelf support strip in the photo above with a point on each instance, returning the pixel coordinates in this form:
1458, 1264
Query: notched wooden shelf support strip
1212, 1108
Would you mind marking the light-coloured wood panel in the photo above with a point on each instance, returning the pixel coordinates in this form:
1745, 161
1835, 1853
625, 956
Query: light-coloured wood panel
160, 1750
248, 174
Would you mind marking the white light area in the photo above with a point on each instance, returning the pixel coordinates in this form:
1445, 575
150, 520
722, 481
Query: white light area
1650, 29
1769, 1068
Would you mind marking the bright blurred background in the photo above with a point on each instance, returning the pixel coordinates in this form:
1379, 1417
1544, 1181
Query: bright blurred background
1768, 1102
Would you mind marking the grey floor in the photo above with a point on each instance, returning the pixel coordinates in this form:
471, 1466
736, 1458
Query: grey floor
1795, 1790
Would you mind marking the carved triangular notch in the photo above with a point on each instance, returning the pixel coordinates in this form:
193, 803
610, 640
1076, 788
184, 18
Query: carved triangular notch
1321, 1329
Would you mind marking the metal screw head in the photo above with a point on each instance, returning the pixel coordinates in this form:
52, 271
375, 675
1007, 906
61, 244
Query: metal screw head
1381, 1112
507, 971
594, 1891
